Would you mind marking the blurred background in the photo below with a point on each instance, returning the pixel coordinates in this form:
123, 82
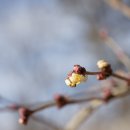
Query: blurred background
41, 40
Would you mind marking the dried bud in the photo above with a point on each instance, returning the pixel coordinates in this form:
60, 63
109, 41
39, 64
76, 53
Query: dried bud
75, 79
79, 70
24, 114
60, 100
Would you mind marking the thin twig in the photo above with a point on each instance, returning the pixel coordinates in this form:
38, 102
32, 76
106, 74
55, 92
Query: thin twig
120, 6
121, 55
47, 123
69, 102
92, 73
121, 77
82, 115
78, 118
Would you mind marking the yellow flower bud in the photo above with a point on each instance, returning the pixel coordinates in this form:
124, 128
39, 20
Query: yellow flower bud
75, 79
102, 64
68, 82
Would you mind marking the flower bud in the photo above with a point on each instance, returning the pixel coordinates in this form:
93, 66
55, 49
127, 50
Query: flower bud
68, 82
105, 68
61, 100
79, 70
24, 114
102, 64
75, 79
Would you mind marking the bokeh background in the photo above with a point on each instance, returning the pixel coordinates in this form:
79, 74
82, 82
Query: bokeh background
41, 40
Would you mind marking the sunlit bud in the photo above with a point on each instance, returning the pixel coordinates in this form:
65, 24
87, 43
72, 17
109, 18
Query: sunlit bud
102, 64
75, 79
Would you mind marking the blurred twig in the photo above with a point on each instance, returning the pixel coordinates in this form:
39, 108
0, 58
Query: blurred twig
46, 122
82, 115
121, 55
7, 105
78, 118
120, 6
